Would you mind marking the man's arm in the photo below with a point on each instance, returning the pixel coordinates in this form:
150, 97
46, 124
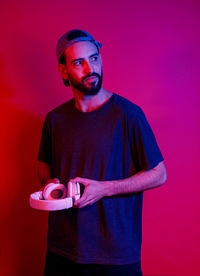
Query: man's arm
141, 181
144, 180
44, 174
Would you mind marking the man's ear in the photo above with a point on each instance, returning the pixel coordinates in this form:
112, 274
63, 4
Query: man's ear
63, 71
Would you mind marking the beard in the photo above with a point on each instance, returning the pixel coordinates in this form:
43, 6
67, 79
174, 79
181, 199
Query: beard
94, 86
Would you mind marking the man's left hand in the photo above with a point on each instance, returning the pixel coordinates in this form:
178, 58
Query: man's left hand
93, 191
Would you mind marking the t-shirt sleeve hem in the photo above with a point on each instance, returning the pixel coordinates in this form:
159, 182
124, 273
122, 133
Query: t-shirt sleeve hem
153, 164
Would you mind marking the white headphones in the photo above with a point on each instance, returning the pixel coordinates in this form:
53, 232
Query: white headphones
55, 196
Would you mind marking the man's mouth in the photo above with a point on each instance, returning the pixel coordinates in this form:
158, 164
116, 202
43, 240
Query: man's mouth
91, 79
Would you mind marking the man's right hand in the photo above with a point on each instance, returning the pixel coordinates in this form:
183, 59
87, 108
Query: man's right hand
45, 174
52, 180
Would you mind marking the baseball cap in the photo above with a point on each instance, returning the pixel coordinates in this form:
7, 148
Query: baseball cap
72, 36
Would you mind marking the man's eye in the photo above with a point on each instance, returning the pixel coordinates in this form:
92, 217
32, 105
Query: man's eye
94, 58
76, 63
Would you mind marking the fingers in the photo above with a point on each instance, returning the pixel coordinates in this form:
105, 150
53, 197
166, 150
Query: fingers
56, 181
81, 180
53, 180
86, 199
81, 202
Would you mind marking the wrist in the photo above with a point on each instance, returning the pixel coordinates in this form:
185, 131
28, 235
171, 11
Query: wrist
109, 188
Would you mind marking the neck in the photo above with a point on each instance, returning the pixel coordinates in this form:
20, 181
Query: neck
87, 103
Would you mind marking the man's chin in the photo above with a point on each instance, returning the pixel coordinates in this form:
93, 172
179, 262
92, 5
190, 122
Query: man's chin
90, 91
88, 88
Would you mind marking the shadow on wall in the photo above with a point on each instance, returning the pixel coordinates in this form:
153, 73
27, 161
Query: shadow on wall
23, 235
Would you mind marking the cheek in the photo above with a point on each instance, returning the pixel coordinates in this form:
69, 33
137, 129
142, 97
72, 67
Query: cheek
100, 67
74, 72
76, 76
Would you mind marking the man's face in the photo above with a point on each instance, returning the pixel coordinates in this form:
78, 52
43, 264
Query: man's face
84, 67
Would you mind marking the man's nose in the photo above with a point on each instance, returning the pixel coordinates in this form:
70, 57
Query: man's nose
88, 69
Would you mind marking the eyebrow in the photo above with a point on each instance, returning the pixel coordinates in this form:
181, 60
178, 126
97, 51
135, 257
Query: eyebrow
77, 59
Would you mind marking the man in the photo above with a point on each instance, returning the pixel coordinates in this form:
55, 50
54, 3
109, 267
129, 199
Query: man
103, 141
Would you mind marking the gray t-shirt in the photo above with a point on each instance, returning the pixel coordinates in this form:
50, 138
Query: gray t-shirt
112, 142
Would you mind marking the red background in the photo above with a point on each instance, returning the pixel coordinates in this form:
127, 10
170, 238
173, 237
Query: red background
151, 56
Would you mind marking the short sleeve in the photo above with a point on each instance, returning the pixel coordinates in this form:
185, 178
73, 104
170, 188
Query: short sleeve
45, 148
146, 151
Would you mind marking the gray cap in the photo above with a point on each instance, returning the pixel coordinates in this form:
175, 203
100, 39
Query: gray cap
72, 36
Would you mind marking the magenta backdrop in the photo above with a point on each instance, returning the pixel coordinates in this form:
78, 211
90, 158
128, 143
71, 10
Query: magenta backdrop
151, 55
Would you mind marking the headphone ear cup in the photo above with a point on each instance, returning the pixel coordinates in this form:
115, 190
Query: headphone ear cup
54, 191
38, 195
75, 190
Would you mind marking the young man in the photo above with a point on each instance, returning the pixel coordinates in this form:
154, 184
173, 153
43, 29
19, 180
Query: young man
103, 141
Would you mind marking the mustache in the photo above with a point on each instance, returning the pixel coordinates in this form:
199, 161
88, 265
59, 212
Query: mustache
91, 75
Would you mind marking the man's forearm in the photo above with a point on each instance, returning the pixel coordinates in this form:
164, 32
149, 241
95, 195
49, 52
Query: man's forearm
96, 190
137, 183
44, 172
